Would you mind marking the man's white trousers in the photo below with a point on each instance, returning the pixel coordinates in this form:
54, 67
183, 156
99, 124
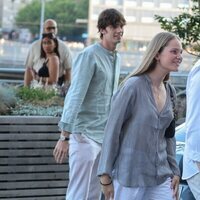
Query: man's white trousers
84, 155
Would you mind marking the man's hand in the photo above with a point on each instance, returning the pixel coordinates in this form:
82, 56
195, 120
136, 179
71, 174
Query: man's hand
61, 149
64, 89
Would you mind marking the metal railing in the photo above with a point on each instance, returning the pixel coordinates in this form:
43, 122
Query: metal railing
178, 79
15, 75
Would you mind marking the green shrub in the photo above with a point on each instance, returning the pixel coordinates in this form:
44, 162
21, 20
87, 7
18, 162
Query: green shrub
38, 94
7, 99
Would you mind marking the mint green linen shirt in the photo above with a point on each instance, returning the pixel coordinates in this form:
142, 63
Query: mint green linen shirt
95, 75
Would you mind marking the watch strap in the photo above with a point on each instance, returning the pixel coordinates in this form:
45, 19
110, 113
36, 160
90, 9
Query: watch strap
63, 138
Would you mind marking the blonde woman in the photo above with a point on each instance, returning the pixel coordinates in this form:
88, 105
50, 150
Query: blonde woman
137, 160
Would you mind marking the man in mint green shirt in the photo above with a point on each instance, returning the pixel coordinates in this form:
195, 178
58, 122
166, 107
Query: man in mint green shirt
95, 75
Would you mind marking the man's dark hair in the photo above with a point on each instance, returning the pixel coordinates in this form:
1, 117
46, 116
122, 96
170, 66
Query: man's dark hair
110, 17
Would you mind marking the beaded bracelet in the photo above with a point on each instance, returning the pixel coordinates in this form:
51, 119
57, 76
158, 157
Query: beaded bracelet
106, 184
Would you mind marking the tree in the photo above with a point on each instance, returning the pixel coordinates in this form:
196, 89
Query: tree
186, 26
65, 12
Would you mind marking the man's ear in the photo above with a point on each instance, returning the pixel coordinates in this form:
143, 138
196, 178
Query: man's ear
102, 31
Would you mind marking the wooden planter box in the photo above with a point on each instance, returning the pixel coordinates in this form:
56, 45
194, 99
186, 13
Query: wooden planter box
28, 170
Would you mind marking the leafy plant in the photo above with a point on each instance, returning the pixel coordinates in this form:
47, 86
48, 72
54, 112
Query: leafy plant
7, 99
38, 94
186, 26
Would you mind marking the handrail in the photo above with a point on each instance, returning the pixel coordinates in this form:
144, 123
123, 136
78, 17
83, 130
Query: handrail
17, 75
12, 73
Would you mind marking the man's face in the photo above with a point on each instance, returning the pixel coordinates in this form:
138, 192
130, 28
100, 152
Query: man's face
113, 34
50, 27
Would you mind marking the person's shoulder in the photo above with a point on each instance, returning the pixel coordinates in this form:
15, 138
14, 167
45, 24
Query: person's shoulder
94, 50
53, 57
132, 83
34, 49
195, 68
88, 51
63, 45
134, 80
61, 42
36, 44
197, 64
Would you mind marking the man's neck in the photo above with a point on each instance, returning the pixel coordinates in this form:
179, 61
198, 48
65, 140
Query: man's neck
108, 46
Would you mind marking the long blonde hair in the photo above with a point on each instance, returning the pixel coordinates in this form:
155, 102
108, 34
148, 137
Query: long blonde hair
157, 44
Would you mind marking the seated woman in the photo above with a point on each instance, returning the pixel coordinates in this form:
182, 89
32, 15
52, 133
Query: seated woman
46, 73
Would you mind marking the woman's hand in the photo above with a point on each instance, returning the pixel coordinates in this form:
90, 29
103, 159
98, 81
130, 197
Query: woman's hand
108, 191
107, 187
175, 186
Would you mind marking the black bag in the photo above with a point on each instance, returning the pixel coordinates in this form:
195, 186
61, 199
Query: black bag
170, 131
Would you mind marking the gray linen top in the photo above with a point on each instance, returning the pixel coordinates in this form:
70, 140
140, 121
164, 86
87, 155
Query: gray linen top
135, 150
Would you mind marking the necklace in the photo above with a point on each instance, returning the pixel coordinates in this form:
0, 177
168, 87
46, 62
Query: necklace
158, 96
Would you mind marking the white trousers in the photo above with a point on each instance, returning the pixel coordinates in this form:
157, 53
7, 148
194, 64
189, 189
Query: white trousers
84, 156
160, 192
194, 185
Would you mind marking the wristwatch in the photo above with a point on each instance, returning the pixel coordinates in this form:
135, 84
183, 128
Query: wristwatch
63, 138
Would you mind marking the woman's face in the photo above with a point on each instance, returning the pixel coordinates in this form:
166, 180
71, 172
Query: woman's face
171, 56
48, 45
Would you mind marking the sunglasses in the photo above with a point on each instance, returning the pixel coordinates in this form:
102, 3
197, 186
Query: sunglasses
48, 35
50, 27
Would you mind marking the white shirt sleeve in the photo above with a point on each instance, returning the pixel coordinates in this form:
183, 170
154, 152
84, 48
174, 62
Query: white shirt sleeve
193, 113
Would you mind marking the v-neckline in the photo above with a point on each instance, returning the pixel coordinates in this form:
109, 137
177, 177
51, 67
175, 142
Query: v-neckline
152, 96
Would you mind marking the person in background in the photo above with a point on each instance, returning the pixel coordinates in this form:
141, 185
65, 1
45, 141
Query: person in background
47, 75
33, 61
95, 74
137, 160
191, 157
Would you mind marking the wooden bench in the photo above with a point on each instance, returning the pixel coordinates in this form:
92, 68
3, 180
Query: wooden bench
28, 170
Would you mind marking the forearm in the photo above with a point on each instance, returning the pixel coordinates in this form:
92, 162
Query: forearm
67, 77
171, 155
28, 76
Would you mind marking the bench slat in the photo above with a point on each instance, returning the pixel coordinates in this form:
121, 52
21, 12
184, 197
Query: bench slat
33, 137
33, 168
37, 176
33, 184
27, 161
28, 120
29, 128
25, 153
33, 193
27, 144
62, 197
